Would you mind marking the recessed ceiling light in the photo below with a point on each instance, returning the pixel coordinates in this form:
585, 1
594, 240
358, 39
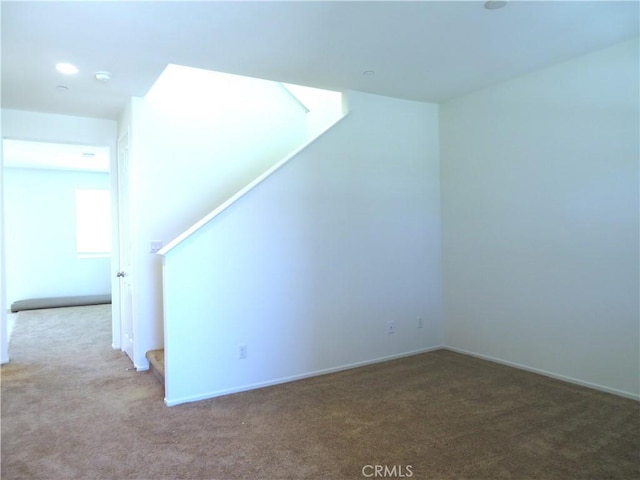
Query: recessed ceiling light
495, 4
368, 73
67, 68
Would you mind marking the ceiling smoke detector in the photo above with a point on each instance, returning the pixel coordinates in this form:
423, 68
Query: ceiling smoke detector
103, 76
495, 4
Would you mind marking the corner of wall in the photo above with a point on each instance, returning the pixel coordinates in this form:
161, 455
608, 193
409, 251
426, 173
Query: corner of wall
4, 340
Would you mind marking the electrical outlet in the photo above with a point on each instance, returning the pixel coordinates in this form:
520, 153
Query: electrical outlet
242, 352
391, 326
420, 322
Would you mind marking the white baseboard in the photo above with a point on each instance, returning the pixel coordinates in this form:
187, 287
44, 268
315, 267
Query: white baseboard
253, 386
556, 376
243, 388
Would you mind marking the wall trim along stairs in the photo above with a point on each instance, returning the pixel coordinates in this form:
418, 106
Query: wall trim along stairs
241, 193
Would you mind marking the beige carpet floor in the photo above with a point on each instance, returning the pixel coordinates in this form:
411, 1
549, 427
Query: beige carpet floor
73, 408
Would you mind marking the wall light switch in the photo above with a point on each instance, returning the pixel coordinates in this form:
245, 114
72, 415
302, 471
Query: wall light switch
156, 245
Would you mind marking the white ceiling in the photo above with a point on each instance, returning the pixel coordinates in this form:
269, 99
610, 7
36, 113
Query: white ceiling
429, 50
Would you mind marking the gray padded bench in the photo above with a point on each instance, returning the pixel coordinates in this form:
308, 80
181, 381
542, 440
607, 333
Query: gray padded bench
57, 302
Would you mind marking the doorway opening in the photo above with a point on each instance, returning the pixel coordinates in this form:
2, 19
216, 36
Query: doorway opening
57, 222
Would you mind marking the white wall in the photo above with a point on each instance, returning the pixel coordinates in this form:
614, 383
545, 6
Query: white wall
46, 127
540, 220
23, 125
189, 155
40, 222
307, 269
325, 107
4, 330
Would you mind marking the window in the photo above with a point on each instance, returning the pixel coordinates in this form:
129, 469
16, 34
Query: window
93, 223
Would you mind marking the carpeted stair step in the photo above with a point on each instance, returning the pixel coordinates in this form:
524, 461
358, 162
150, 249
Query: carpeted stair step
156, 364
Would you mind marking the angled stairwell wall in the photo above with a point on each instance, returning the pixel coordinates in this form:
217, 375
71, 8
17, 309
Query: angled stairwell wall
194, 141
306, 269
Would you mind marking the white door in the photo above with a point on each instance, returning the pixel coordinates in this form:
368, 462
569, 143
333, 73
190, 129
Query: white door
124, 240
